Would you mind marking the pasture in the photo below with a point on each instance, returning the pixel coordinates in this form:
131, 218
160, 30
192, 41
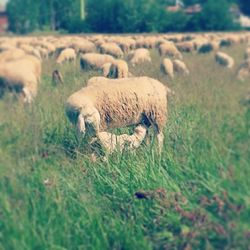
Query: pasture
196, 195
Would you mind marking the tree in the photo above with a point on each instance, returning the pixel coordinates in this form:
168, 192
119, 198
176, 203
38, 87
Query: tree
245, 6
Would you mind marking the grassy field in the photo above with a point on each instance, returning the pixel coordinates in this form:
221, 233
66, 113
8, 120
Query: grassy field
195, 196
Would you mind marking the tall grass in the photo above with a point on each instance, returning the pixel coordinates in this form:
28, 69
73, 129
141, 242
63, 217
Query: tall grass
196, 195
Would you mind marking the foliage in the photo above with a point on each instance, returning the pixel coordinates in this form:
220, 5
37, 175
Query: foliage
245, 6
114, 16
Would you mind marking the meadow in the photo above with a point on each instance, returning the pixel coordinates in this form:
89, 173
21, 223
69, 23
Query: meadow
196, 195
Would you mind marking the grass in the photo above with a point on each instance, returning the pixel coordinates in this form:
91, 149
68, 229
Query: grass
195, 196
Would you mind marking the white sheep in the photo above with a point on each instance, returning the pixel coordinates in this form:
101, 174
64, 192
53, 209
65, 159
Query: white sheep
167, 67
111, 142
169, 49
139, 56
68, 54
116, 103
118, 69
180, 67
224, 60
111, 49
94, 60
244, 70
22, 75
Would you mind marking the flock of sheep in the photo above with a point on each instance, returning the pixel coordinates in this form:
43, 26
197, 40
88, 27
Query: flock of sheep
116, 99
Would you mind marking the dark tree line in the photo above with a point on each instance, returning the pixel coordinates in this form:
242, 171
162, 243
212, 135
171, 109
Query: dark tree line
112, 16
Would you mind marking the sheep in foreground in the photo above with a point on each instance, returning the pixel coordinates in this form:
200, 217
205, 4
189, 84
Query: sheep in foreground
68, 54
22, 76
111, 142
167, 67
115, 103
139, 56
94, 60
180, 67
224, 60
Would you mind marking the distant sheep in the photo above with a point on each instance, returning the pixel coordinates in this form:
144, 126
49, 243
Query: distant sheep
116, 103
118, 69
21, 76
180, 67
111, 49
167, 67
244, 70
169, 49
224, 60
66, 55
139, 56
94, 60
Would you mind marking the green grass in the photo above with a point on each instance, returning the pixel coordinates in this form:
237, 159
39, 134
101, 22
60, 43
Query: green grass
52, 196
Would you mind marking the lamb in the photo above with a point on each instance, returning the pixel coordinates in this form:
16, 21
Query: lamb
116, 103
22, 76
111, 49
139, 56
180, 67
111, 142
169, 49
167, 67
94, 60
68, 54
118, 69
224, 60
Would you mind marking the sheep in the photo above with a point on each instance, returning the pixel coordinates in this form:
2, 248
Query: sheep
116, 103
224, 60
68, 54
139, 56
169, 49
22, 76
105, 69
10, 55
247, 53
94, 60
111, 142
118, 69
167, 67
111, 49
57, 77
244, 70
180, 67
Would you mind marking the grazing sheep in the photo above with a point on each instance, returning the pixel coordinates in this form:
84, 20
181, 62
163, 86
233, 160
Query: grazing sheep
180, 67
247, 53
68, 54
21, 76
94, 60
169, 49
105, 69
57, 77
224, 60
111, 49
167, 67
116, 103
111, 142
10, 55
244, 70
118, 69
139, 56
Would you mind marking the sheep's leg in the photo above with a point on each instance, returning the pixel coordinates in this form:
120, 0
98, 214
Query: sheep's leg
160, 139
27, 95
81, 125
